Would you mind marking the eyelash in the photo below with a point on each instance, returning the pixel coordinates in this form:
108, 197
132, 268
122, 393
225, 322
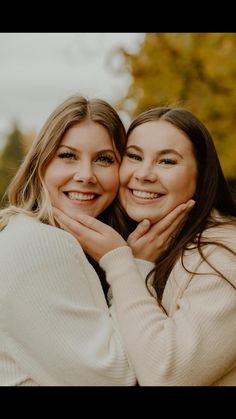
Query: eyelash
133, 156
139, 158
168, 161
66, 155
104, 159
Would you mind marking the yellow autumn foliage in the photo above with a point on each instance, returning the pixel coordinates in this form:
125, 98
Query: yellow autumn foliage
192, 70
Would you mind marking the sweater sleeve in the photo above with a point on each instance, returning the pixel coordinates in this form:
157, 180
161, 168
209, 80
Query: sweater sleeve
196, 345
56, 319
144, 267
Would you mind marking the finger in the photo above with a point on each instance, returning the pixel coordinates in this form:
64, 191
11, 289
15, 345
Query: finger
140, 230
172, 223
172, 220
59, 223
91, 222
172, 231
178, 223
82, 220
69, 223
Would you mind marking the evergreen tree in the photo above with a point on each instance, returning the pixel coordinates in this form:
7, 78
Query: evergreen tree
10, 159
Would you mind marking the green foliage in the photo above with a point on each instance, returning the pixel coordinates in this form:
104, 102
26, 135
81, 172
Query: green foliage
10, 159
192, 70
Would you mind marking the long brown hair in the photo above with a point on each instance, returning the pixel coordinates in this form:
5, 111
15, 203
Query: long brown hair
212, 192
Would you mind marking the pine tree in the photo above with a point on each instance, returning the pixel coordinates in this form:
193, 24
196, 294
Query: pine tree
10, 159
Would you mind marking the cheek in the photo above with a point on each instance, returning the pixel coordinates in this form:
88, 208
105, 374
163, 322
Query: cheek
48, 178
124, 175
111, 181
185, 184
52, 177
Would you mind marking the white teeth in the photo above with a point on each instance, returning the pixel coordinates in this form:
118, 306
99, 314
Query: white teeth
80, 196
145, 195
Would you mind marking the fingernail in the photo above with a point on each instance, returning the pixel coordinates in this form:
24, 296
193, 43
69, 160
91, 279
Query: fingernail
191, 203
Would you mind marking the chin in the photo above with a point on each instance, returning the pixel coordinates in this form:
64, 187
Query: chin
75, 211
153, 218
140, 217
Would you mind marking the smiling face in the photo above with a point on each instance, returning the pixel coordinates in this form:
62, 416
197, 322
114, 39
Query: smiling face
83, 176
158, 171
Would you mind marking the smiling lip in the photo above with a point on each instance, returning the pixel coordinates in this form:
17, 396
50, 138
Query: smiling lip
144, 197
82, 198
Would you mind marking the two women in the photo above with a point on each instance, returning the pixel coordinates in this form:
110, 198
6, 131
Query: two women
55, 324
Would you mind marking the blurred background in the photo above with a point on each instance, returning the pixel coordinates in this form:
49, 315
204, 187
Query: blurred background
133, 71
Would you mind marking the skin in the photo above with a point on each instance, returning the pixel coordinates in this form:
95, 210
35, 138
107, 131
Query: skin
158, 171
165, 181
148, 243
83, 176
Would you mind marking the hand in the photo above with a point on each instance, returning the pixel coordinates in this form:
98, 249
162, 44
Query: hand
149, 242
95, 237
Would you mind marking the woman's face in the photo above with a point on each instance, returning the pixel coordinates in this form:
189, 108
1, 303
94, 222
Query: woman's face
158, 171
83, 176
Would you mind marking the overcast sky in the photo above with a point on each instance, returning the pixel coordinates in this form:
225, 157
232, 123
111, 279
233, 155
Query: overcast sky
39, 70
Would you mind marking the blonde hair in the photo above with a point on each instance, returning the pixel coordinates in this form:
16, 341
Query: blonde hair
27, 193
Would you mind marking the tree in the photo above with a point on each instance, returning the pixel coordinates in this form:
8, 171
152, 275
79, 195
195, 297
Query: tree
10, 159
192, 70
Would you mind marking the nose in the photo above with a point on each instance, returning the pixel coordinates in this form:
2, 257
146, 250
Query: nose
145, 173
85, 174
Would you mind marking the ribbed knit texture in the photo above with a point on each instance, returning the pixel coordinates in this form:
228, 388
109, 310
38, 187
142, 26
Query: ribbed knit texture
55, 326
195, 344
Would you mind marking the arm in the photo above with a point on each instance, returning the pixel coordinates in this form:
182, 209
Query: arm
194, 345
59, 326
146, 242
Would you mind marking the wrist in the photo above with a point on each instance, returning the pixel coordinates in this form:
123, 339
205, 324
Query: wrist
116, 258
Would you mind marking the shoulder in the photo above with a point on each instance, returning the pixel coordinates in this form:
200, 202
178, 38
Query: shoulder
218, 248
27, 232
33, 252
224, 234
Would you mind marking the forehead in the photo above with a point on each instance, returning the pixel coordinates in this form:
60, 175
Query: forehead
159, 135
87, 133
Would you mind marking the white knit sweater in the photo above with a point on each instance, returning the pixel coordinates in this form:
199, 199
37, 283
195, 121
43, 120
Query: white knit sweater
55, 326
195, 344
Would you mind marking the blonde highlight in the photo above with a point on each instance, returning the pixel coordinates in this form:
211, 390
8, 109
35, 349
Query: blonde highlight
27, 193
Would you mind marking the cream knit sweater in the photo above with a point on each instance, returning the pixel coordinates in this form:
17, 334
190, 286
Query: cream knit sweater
55, 326
195, 344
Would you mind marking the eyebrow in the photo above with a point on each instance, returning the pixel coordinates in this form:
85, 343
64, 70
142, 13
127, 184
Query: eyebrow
159, 153
97, 152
